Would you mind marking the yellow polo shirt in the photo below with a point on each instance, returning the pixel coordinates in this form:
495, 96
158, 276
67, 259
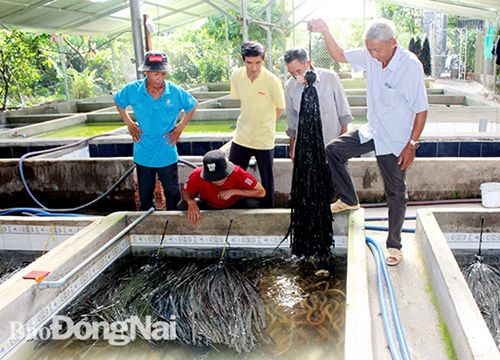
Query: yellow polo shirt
256, 125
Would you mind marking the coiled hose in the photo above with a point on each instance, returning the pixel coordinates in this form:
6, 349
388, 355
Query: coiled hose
65, 210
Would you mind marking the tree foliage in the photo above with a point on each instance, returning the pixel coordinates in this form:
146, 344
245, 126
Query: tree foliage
21, 60
90, 58
408, 21
207, 53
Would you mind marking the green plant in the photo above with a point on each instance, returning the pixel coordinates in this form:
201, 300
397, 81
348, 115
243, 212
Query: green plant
408, 21
82, 83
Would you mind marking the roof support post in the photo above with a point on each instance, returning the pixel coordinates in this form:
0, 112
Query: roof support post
283, 20
63, 65
244, 20
228, 48
269, 31
135, 17
115, 69
293, 24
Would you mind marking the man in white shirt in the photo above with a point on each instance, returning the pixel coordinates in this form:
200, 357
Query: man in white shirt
397, 111
334, 107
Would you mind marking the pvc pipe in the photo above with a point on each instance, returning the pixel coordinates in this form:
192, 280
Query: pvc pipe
125, 231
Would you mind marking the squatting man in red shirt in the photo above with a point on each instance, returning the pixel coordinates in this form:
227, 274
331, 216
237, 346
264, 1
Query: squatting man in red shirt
219, 184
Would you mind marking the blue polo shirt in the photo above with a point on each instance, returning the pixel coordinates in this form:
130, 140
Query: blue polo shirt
155, 118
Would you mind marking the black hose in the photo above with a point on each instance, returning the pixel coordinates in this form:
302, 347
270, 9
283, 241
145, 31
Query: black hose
188, 163
67, 146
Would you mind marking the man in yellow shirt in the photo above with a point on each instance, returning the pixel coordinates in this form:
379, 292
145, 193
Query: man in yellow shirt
262, 102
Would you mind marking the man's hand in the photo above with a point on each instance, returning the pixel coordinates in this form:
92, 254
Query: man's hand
194, 214
317, 25
301, 79
292, 155
407, 156
134, 131
174, 135
226, 194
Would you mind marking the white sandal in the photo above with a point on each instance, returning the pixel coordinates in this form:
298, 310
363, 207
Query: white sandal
339, 206
394, 257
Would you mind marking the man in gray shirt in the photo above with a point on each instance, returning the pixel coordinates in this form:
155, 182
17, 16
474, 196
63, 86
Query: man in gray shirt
334, 108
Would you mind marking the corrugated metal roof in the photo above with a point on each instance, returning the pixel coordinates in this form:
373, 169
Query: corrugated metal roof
472, 9
104, 17
108, 17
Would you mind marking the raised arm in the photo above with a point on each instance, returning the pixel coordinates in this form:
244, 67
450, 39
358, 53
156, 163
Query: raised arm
336, 52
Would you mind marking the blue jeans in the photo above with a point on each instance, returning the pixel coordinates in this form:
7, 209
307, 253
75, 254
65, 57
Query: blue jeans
146, 181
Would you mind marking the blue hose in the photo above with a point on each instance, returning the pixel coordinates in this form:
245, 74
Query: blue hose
383, 307
382, 270
36, 212
386, 218
385, 228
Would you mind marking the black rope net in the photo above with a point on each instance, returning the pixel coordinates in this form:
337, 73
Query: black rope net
484, 283
311, 218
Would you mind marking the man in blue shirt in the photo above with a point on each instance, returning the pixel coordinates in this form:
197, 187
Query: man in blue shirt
156, 104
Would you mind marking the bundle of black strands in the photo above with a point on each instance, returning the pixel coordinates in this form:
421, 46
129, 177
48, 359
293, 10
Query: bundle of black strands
484, 283
311, 218
213, 304
118, 299
114, 299
11, 264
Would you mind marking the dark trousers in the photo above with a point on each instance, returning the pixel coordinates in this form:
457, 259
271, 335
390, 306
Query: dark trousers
240, 155
347, 146
146, 181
